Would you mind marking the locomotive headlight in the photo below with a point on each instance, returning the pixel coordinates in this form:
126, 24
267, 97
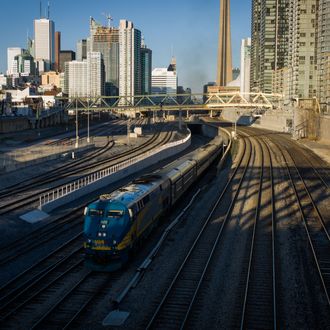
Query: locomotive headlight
104, 234
99, 234
103, 226
114, 242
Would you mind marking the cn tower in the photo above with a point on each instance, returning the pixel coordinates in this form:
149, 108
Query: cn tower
224, 72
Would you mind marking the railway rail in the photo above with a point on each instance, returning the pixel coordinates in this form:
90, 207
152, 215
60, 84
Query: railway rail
36, 238
313, 223
174, 309
9, 204
259, 306
60, 172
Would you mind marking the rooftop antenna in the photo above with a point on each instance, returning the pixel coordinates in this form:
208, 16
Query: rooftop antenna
109, 18
40, 8
48, 10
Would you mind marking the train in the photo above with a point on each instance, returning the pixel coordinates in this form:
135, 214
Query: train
118, 222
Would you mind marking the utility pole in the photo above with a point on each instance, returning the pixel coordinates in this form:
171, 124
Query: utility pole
88, 140
128, 130
77, 137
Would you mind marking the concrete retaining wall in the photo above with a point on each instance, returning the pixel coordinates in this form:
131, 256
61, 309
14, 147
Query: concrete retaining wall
275, 120
14, 124
115, 176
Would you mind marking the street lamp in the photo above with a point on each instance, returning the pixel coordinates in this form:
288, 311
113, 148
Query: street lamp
77, 136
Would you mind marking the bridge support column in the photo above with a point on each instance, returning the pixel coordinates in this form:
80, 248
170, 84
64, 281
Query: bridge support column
180, 119
211, 114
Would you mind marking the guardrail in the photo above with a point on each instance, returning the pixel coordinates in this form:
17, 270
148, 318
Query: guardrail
67, 189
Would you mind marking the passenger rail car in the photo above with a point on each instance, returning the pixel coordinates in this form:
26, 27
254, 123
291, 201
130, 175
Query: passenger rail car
117, 222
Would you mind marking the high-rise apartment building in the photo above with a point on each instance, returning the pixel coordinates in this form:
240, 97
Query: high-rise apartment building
245, 65
129, 61
81, 50
269, 45
95, 74
146, 69
302, 52
85, 78
44, 43
12, 52
323, 54
75, 81
57, 50
224, 72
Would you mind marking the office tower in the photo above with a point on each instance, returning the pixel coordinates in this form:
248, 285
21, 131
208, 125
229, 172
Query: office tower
245, 65
95, 74
165, 80
44, 43
81, 50
129, 61
75, 81
302, 59
269, 44
65, 56
11, 53
146, 68
57, 50
224, 73
106, 41
323, 55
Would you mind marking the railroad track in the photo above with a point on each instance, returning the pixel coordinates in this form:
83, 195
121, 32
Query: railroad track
38, 294
175, 306
9, 204
313, 224
259, 306
68, 309
40, 236
60, 172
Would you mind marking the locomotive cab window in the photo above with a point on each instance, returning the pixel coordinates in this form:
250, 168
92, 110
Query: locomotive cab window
115, 213
95, 213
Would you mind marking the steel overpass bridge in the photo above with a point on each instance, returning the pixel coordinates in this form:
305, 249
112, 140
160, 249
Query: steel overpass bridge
173, 102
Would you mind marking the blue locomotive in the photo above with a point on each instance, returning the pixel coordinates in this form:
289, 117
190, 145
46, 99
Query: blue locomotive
117, 222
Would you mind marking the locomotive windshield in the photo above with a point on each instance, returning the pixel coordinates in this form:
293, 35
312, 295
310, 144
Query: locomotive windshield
95, 213
115, 213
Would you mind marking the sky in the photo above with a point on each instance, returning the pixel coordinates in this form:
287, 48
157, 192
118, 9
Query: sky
188, 29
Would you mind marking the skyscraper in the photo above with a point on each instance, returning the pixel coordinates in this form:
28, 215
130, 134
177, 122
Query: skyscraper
165, 80
106, 41
269, 46
44, 42
57, 50
129, 60
65, 56
146, 68
12, 52
302, 59
81, 50
75, 81
224, 73
323, 54
95, 74
245, 65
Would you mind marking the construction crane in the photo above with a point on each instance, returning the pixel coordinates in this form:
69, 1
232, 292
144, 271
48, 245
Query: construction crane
109, 18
